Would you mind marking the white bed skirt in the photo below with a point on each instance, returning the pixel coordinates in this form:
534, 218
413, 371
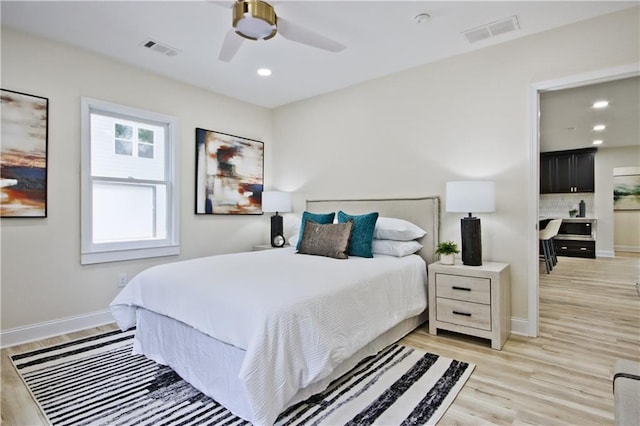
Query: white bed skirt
212, 366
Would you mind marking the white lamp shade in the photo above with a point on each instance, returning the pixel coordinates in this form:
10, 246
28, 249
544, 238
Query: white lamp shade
276, 201
471, 196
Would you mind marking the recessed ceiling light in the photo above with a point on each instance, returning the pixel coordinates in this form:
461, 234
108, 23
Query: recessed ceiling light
598, 142
601, 104
599, 127
264, 72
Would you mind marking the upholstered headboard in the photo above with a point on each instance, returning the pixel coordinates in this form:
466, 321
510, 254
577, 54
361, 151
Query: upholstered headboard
424, 212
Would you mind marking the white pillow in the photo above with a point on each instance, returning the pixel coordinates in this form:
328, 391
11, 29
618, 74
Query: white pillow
395, 248
293, 240
389, 228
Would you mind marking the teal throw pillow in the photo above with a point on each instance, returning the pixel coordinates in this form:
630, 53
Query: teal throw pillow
321, 218
361, 234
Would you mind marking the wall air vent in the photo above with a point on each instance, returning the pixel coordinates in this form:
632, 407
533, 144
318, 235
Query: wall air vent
491, 30
159, 47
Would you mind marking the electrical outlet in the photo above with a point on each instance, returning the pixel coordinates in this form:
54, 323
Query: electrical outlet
122, 279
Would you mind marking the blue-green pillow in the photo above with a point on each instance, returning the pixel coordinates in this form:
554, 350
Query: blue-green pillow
321, 218
361, 234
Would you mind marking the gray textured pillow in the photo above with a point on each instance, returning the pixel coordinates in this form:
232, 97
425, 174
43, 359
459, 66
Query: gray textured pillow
330, 240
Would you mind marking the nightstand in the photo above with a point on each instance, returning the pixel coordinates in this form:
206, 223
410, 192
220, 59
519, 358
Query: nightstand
473, 300
259, 247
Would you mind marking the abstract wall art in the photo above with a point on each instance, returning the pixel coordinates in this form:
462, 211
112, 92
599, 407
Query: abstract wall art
229, 174
23, 155
626, 188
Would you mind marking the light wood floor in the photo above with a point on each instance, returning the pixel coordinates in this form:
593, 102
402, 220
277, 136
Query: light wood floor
589, 316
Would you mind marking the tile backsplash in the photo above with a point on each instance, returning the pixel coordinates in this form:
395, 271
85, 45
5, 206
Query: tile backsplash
558, 205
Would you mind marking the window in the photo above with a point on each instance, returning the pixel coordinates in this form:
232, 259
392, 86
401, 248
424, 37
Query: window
124, 141
129, 189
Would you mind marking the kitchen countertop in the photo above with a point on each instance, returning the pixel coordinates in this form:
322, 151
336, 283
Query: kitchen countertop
569, 219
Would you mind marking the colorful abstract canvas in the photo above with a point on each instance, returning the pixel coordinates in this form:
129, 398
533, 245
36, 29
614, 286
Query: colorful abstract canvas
23, 156
229, 174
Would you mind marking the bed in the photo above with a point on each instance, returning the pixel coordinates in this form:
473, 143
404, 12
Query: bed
257, 352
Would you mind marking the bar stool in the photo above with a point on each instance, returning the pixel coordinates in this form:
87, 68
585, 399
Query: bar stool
546, 237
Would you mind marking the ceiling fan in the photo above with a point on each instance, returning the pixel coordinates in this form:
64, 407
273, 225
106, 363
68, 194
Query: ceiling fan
257, 20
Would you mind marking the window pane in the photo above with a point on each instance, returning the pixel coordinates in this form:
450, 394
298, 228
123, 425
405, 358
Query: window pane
145, 135
145, 151
109, 162
124, 132
124, 147
128, 212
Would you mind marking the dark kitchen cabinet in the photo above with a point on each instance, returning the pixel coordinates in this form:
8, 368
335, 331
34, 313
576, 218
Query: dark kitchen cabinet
547, 170
567, 171
573, 248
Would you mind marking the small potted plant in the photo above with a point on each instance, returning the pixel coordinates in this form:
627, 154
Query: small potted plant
573, 212
447, 250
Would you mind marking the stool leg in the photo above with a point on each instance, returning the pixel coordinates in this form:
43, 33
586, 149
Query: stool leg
545, 251
553, 252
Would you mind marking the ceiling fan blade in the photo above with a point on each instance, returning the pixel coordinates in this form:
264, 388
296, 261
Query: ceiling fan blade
296, 33
230, 46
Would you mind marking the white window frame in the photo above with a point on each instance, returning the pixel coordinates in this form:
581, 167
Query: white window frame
117, 251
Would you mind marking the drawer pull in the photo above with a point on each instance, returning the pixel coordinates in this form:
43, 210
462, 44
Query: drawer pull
461, 288
563, 247
583, 248
461, 313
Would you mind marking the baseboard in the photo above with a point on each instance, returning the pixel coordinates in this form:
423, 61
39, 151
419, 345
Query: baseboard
43, 330
603, 253
519, 326
632, 249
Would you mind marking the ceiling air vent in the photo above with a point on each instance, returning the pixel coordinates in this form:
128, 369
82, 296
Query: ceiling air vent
163, 48
491, 30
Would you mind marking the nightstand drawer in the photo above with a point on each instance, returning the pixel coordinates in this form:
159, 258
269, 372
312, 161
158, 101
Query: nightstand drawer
464, 313
471, 289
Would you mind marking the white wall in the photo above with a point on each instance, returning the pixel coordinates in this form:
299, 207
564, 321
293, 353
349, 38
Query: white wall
626, 231
626, 224
42, 279
465, 117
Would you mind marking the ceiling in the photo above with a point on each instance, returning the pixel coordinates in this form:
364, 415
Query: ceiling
567, 116
381, 38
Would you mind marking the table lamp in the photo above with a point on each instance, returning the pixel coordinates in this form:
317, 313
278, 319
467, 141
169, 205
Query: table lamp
276, 201
468, 197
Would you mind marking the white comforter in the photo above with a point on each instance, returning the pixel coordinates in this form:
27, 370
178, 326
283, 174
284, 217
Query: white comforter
296, 316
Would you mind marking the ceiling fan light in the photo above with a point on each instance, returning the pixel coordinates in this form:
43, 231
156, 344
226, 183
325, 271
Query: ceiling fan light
255, 20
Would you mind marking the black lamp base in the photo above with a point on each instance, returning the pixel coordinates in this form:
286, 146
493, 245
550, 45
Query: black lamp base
276, 227
471, 241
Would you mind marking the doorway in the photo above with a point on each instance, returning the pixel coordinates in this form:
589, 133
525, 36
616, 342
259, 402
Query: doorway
534, 174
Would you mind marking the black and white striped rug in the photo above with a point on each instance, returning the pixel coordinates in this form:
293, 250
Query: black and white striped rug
96, 381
